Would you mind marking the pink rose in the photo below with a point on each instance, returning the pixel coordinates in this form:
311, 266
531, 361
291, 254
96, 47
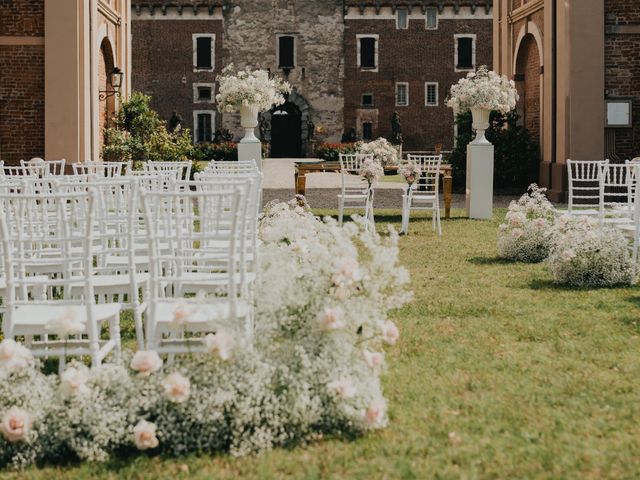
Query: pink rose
74, 379
13, 356
374, 415
373, 359
145, 362
219, 344
176, 387
347, 273
331, 319
517, 233
389, 331
144, 435
16, 424
182, 312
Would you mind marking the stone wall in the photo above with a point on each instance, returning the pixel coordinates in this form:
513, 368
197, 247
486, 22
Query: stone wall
21, 80
251, 29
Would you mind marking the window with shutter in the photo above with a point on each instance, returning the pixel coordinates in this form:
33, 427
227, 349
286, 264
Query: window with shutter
203, 53
431, 94
368, 52
286, 52
402, 94
204, 127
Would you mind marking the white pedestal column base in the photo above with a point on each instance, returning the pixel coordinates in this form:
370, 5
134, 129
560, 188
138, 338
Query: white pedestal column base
479, 199
250, 150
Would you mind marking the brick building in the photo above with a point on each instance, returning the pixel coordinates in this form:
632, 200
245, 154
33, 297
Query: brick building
57, 58
577, 65
352, 63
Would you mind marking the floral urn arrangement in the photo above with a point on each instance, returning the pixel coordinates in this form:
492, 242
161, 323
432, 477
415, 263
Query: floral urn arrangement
249, 92
382, 152
481, 92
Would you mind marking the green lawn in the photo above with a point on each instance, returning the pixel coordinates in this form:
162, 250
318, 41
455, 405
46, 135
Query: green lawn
498, 374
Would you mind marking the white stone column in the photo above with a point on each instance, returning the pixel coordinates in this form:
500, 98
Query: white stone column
249, 149
479, 193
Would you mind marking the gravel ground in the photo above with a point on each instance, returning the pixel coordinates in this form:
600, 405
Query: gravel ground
328, 198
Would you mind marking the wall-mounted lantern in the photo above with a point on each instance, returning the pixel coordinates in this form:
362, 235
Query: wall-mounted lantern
115, 80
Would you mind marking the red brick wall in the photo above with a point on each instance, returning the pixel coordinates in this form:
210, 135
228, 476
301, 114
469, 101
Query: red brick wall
21, 82
22, 18
622, 68
528, 64
415, 55
162, 54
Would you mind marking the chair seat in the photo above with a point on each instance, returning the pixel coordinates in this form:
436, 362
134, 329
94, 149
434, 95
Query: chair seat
29, 317
118, 282
359, 196
578, 211
203, 317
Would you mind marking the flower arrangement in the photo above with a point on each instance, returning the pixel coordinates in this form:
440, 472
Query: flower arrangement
322, 301
381, 150
371, 171
410, 172
483, 89
526, 234
587, 254
249, 87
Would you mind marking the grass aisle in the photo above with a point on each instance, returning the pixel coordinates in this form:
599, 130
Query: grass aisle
498, 374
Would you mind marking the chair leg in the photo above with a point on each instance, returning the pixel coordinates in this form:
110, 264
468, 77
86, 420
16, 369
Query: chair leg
439, 223
114, 333
404, 228
137, 315
340, 211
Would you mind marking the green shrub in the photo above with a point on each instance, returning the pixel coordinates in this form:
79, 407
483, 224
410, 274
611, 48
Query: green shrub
516, 153
330, 152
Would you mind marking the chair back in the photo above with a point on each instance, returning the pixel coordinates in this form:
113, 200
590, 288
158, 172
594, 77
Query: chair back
586, 182
181, 170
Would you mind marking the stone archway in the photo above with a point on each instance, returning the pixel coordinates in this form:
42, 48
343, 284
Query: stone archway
106, 107
297, 106
528, 82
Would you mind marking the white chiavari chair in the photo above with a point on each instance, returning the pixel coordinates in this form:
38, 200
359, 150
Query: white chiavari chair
180, 170
44, 168
424, 193
32, 235
101, 169
586, 182
197, 245
355, 191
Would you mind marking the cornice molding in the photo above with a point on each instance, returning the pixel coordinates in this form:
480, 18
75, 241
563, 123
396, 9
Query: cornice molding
109, 13
525, 10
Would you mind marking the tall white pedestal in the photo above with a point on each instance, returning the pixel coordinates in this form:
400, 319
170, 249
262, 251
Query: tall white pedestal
479, 199
250, 150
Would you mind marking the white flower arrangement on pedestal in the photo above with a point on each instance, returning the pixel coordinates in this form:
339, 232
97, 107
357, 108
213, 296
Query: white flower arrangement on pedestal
526, 234
313, 370
247, 88
382, 151
483, 89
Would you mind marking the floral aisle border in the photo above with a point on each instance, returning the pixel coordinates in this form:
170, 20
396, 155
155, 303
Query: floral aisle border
314, 370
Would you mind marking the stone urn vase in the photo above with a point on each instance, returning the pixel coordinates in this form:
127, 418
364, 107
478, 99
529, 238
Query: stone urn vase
480, 125
249, 121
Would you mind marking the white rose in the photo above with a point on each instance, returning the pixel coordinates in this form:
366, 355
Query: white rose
74, 379
144, 435
13, 356
145, 362
390, 332
373, 359
16, 424
219, 344
66, 324
176, 387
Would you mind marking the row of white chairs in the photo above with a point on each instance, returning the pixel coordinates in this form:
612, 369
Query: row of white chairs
423, 194
82, 247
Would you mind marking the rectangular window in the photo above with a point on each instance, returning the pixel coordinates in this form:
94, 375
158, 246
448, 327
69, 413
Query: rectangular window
432, 18
402, 18
367, 131
286, 51
465, 52
203, 126
368, 52
203, 52
367, 99
431, 94
402, 94
203, 92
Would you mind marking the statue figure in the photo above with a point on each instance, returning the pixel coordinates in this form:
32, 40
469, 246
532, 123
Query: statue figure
264, 126
311, 129
175, 122
396, 129
222, 136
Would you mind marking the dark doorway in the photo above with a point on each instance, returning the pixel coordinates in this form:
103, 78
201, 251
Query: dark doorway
286, 131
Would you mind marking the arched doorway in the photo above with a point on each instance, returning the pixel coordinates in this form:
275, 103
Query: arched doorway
107, 106
527, 79
286, 131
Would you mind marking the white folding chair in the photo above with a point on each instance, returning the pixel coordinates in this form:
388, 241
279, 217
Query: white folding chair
44, 168
424, 193
204, 230
355, 191
181, 170
56, 229
617, 193
586, 182
101, 169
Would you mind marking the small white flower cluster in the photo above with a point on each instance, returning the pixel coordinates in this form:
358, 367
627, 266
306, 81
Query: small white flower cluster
527, 232
483, 89
314, 368
410, 172
587, 254
382, 151
371, 171
249, 87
